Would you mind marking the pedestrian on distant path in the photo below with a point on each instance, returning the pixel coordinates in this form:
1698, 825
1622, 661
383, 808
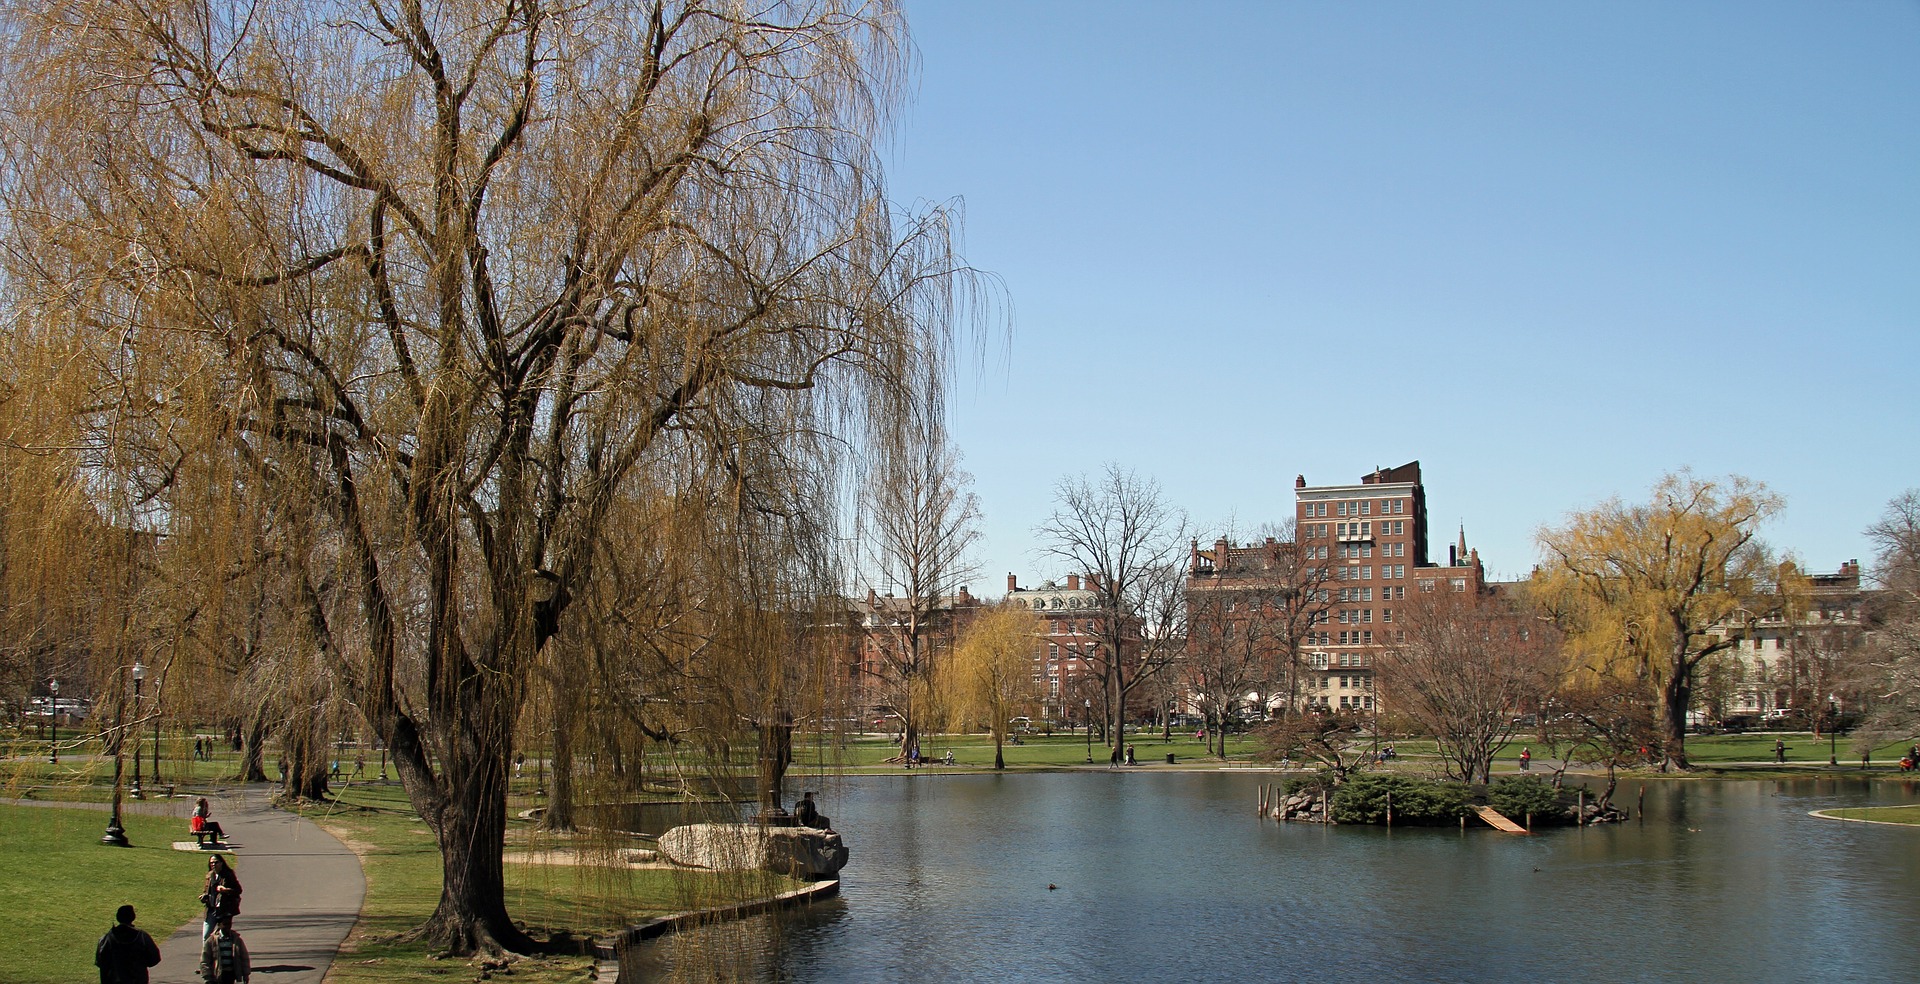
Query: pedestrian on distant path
1780, 751
125, 953
223, 956
1526, 759
222, 897
1130, 760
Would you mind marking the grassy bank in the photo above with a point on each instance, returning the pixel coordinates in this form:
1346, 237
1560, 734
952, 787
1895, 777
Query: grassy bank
1909, 815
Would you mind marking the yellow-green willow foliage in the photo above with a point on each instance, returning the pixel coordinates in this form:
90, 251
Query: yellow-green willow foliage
993, 670
1646, 592
442, 290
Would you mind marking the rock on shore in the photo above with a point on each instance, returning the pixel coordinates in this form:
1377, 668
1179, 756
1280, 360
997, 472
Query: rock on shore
800, 852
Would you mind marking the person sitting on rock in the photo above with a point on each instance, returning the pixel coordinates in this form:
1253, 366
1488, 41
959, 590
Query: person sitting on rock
807, 814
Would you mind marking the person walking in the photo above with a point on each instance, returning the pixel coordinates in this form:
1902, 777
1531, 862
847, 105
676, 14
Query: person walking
1526, 759
223, 957
125, 953
222, 897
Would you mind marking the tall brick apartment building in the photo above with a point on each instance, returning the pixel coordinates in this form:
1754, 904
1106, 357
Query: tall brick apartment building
1370, 542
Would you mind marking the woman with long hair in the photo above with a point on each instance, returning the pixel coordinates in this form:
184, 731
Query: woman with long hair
222, 896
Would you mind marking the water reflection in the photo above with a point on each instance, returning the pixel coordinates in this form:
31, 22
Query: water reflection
1166, 876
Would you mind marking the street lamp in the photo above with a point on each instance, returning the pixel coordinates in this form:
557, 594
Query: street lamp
116, 835
1087, 703
156, 733
139, 675
53, 712
1833, 741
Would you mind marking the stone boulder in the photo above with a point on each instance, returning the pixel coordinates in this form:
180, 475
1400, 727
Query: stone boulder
801, 852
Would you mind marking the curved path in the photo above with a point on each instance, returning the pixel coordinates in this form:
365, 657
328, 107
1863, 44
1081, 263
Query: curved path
303, 890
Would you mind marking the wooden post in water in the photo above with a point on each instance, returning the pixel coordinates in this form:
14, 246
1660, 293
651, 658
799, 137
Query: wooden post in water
1389, 810
1641, 804
1580, 819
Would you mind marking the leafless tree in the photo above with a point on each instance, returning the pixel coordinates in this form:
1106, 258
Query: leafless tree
919, 521
1893, 618
1251, 612
1118, 531
1465, 668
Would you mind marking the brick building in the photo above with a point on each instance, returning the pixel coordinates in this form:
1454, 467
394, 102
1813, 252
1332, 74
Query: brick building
884, 627
1368, 543
1372, 537
1070, 627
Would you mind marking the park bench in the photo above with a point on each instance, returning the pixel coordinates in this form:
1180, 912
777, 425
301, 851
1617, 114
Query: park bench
207, 836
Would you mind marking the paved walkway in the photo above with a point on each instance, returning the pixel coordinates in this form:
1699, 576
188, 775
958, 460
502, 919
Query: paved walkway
303, 891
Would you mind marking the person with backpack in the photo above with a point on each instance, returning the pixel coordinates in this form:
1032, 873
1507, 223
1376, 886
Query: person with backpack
223, 957
125, 953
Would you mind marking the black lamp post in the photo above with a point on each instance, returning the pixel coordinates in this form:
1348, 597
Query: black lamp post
53, 713
155, 776
1833, 741
116, 835
139, 676
1087, 705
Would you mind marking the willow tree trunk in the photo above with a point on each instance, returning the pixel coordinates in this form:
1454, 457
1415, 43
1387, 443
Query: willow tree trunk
1676, 697
253, 749
559, 815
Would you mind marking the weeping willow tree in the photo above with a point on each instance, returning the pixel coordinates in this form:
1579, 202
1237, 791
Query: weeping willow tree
459, 282
50, 550
1647, 592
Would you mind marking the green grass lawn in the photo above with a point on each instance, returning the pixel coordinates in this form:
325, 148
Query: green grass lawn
59, 885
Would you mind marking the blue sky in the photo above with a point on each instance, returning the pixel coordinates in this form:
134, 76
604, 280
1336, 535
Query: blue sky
1552, 251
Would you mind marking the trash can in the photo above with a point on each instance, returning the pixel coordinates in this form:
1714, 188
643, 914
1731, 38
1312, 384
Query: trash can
1169, 758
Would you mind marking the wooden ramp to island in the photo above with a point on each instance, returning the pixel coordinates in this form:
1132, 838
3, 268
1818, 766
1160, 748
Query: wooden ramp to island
1500, 823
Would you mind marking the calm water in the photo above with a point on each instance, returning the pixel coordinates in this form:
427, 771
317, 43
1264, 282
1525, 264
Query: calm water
1171, 877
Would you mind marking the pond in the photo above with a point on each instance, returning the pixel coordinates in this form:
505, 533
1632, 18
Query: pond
1169, 876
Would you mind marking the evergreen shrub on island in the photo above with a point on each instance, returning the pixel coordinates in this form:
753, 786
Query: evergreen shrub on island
1366, 798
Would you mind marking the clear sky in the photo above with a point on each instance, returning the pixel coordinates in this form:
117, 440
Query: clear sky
1552, 251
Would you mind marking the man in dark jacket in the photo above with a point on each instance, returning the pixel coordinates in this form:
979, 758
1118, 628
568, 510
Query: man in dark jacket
125, 953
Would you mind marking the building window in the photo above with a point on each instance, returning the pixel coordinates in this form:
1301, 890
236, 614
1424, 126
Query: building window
1366, 615
1366, 573
1386, 614
1459, 584
1399, 506
1366, 507
1426, 584
1367, 639
1053, 650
